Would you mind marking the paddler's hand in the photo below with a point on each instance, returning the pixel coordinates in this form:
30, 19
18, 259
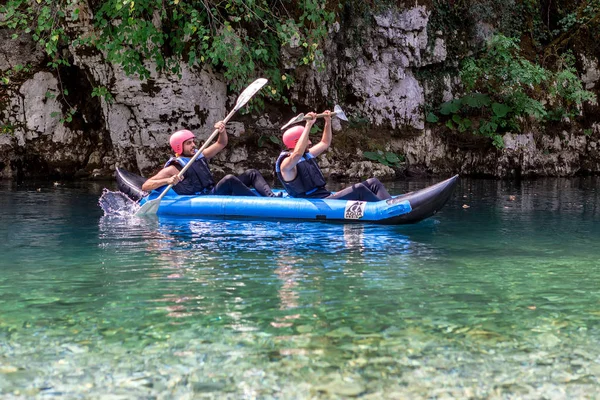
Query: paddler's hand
174, 180
220, 126
312, 117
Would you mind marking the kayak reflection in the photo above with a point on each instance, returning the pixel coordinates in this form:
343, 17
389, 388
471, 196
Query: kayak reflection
289, 237
226, 271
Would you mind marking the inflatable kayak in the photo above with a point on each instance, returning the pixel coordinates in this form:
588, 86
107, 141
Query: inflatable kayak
404, 209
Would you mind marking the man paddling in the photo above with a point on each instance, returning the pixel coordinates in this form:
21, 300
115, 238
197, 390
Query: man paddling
198, 179
299, 173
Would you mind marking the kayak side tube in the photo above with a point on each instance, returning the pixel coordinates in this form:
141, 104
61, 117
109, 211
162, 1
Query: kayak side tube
281, 208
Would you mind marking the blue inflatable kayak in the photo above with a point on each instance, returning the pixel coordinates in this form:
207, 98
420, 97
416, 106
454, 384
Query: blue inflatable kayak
404, 209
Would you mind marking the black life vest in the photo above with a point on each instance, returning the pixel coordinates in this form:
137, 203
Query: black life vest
309, 180
197, 178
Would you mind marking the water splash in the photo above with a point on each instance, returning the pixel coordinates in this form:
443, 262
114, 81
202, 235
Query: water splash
117, 204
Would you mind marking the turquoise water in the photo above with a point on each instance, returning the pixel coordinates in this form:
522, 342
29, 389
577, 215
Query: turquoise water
497, 296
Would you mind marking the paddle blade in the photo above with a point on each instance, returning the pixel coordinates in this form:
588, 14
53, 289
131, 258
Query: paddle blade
149, 207
249, 92
296, 119
340, 113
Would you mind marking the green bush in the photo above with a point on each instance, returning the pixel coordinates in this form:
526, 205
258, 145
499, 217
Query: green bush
504, 90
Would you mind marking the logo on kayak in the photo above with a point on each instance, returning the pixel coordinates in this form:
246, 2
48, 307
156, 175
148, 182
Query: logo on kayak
354, 209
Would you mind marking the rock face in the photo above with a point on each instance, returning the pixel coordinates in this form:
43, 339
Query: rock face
142, 115
524, 155
377, 68
39, 141
20, 51
371, 66
591, 75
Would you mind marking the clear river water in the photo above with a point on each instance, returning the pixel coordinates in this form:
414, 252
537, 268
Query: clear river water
497, 296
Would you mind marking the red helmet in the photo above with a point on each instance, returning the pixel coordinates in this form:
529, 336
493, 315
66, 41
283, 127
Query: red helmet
178, 138
291, 136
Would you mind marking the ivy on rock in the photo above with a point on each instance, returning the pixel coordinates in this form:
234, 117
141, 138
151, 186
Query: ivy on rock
240, 38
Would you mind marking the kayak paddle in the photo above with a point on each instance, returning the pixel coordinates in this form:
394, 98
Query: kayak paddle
337, 111
151, 206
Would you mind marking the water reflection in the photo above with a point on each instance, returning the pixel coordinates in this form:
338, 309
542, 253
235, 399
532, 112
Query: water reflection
235, 273
288, 272
569, 196
213, 238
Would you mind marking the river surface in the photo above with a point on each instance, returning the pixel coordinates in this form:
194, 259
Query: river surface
497, 296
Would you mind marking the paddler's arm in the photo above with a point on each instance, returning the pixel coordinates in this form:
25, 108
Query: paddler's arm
325, 142
288, 165
222, 141
166, 176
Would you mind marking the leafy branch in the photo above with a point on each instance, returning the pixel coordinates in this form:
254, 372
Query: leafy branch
386, 158
504, 90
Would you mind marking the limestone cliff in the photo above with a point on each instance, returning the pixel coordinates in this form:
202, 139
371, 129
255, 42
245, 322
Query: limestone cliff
382, 68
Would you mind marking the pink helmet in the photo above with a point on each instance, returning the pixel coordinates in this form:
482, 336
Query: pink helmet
291, 136
178, 138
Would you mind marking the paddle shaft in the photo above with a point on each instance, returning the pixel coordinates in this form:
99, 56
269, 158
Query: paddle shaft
302, 117
305, 118
189, 164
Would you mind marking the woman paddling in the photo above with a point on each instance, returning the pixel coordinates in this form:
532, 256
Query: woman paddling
299, 173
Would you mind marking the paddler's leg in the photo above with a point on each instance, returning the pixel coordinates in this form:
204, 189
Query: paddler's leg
254, 178
231, 186
355, 192
377, 187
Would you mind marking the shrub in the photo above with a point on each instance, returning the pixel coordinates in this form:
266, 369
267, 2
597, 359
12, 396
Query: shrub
503, 90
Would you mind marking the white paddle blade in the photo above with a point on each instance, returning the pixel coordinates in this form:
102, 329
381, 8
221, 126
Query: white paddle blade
149, 207
340, 113
249, 92
297, 118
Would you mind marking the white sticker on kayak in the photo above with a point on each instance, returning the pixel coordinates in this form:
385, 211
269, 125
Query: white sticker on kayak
354, 209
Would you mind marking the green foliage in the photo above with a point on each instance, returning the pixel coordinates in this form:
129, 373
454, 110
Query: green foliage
504, 89
269, 138
45, 20
241, 38
568, 86
102, 91
386, 158
358, 121
529, 80
571, 17
7, 129
66, 117
546, 26
450, 107
431, 117
7, 76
